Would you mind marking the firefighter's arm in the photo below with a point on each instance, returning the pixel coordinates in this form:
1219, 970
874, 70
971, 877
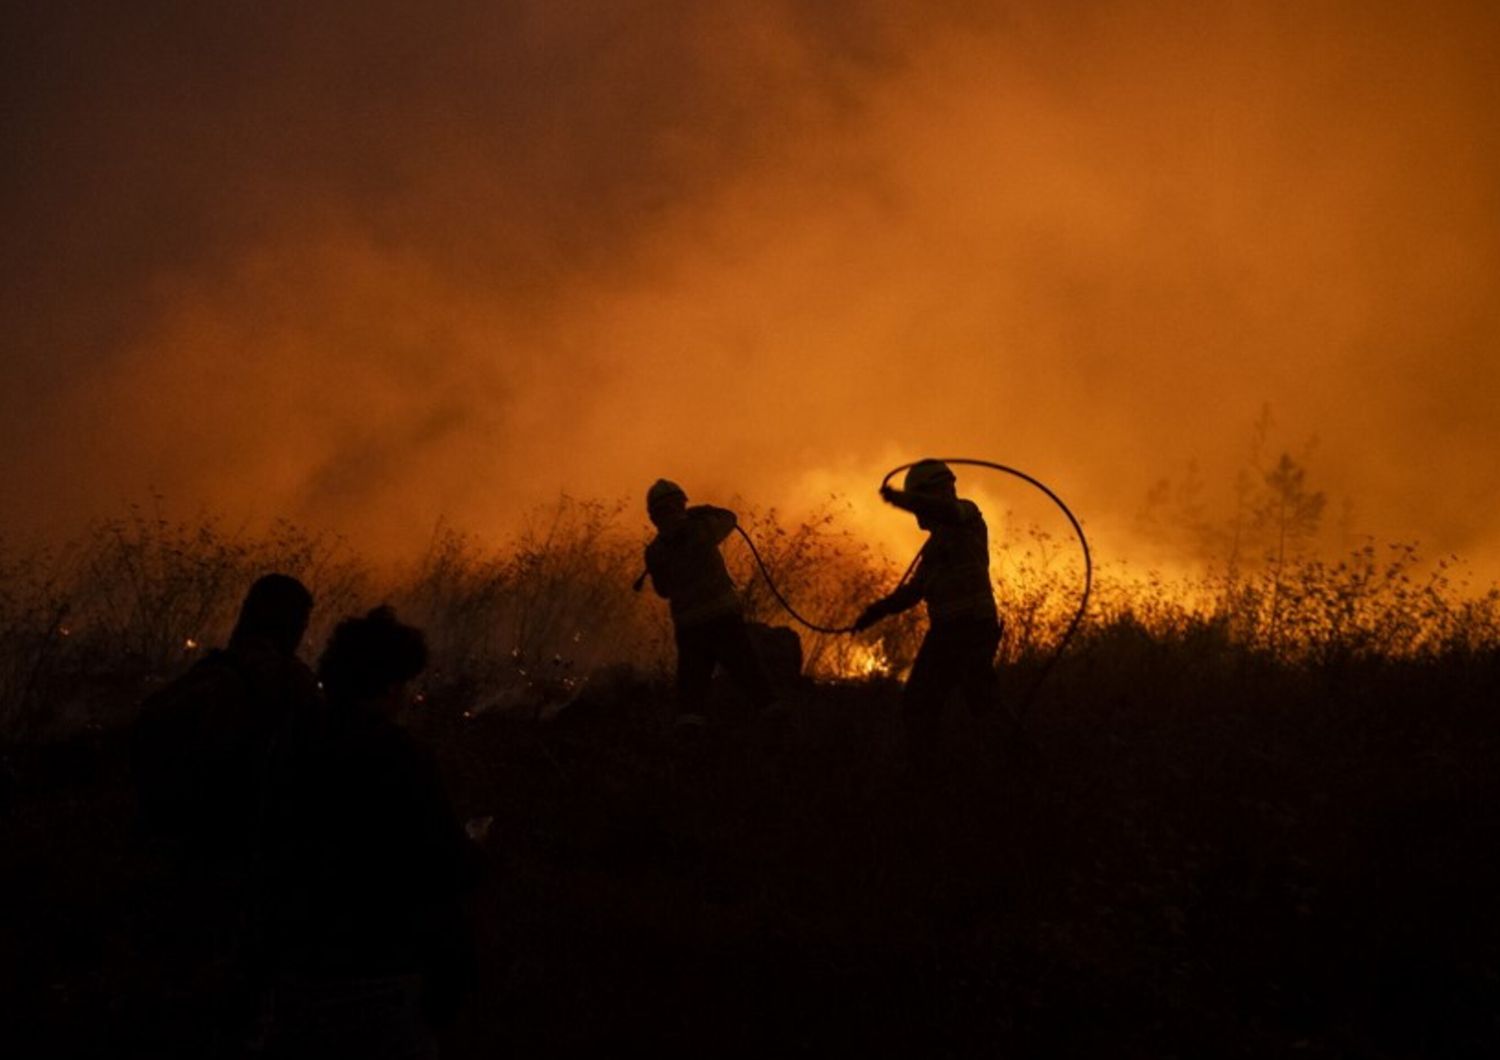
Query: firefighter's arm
931, 509
661, 581
719, 523
904, 598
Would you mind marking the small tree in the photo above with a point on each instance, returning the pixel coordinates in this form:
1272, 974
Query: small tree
1287, 515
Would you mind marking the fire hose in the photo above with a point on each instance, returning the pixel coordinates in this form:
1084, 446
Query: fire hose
1062, 644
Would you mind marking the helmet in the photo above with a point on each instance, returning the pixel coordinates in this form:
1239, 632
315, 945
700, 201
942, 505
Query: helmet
927, 476
662, 491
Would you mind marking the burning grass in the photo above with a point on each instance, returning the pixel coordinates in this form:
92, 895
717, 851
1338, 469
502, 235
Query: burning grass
86, 628
1258, 810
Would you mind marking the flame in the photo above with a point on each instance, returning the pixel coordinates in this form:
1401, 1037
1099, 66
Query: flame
863, 662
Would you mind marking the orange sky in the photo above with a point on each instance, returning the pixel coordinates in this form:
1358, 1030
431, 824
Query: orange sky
365, 267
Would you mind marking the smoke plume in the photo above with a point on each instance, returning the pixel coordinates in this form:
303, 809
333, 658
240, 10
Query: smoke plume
370, 264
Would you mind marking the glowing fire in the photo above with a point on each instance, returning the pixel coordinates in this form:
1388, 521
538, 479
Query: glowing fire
864, 661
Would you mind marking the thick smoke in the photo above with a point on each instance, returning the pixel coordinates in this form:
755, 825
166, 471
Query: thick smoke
370, 264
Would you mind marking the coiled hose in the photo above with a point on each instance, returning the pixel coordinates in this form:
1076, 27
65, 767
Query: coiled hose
1083, 600
1062, 644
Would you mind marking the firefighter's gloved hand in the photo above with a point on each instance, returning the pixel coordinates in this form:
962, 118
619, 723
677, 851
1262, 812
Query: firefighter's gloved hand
869, 616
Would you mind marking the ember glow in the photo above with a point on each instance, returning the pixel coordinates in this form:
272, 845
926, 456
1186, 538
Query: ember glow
864, 661
372, 269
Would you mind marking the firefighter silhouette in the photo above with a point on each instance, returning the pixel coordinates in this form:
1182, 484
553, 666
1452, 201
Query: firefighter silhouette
953, 578
687, 569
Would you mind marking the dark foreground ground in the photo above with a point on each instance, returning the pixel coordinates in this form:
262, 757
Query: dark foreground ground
1236, 860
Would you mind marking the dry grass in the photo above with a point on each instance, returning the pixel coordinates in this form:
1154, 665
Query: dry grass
86, 627
1257, 817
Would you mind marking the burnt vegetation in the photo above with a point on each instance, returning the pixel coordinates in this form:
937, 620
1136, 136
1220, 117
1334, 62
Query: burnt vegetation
1255, 811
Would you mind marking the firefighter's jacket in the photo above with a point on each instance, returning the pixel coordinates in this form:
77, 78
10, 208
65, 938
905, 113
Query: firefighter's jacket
953, 574
687, 569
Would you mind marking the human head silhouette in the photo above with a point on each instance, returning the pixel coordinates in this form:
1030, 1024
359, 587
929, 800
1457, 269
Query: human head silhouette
369, 660
932, 478
665, 503
276, 610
